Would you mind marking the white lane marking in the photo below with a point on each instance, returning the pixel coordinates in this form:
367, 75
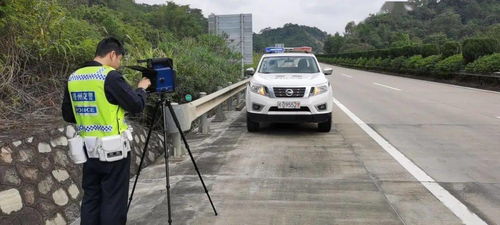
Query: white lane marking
498, 117
345, 75
457, 207
383, 85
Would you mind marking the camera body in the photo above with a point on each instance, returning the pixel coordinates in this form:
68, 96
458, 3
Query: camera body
161, 73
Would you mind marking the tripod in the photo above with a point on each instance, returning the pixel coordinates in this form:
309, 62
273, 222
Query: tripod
165, 103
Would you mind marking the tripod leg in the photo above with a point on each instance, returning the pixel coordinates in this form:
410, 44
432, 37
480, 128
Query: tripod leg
164, 112
176, 121
143, 153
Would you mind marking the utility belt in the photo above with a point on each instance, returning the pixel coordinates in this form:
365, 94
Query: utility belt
106, 149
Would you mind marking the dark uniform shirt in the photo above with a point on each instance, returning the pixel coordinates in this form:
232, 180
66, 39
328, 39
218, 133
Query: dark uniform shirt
117, 91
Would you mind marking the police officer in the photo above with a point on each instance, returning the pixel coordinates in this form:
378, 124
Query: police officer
96, 99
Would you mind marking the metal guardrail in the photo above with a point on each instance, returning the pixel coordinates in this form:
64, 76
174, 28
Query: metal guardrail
492, 75
189, 112
209, 102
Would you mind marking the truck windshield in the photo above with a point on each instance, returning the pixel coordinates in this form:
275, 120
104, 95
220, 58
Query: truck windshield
289, 64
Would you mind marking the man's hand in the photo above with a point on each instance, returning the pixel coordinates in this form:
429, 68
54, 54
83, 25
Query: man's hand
144, 83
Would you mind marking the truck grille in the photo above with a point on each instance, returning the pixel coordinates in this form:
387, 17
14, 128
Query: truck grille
283, 92
302, 109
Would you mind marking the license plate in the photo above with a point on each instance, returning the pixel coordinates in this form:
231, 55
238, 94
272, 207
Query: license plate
288, 105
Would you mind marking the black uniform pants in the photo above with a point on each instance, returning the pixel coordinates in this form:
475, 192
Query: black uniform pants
105, 192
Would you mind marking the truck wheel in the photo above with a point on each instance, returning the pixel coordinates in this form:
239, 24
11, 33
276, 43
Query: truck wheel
325, 127
252, 126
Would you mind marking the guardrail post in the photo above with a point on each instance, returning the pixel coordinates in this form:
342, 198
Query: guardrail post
219, 115
229, 100
204, 126
238, 99
176, 141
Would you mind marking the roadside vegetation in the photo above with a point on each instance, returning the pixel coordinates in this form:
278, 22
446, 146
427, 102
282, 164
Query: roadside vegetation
425, 37
474, 56
41, 42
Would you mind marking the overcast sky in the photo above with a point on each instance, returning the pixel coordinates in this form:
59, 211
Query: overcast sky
328, 15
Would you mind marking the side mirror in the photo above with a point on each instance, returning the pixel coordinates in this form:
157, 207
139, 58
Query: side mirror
328, 71
250, 71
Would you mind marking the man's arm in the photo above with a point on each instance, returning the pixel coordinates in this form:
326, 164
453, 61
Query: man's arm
67, 108
119, 92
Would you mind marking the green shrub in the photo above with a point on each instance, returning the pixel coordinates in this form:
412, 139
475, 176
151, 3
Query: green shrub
396, 52
409, 65
386, 64
485, 64
370, 63
349, 62
377, 63
427, 64
397, 63
472, 49
450, 48
428, 50
360, 62
450, 65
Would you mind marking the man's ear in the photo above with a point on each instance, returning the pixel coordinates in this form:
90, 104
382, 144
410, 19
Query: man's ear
112, 55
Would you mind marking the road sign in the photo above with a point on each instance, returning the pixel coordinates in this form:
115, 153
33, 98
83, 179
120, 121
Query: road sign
238, 30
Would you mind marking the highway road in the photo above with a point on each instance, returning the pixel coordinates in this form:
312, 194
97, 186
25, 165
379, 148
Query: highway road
288, 175
450, 132
403, 151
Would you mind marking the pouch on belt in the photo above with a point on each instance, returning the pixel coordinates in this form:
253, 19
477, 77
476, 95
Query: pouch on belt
112, 148
77, 152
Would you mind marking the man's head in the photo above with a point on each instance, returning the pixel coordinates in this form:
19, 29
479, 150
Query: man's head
110, 52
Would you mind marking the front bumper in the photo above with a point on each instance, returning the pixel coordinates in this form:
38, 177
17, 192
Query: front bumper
310, 111
290, 118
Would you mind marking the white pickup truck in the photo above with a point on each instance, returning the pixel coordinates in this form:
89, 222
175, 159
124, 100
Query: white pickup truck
289, 88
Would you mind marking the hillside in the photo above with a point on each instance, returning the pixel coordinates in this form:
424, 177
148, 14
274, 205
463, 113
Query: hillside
427, 22
42, 42
291, 35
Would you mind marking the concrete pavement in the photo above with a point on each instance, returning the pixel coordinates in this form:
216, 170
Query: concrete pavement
291, 174
288, 174
450, 132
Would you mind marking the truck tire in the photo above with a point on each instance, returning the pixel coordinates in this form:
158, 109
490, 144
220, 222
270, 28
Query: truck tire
252, 126
325, 127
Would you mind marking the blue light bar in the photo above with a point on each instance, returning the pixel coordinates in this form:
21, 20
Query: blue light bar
275, 50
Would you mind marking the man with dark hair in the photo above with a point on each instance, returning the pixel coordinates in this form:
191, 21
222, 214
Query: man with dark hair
96, 99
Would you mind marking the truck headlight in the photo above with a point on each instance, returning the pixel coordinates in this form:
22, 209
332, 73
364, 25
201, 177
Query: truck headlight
259, 89
320, 89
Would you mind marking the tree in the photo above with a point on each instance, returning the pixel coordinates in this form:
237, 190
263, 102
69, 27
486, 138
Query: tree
291, 35
400, 40
334, 43
179, 19
447, 22
349, 28
438, 39
493, 32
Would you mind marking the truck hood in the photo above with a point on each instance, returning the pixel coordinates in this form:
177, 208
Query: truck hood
290, 79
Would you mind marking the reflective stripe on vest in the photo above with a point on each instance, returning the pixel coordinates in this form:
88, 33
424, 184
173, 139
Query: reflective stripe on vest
95, 115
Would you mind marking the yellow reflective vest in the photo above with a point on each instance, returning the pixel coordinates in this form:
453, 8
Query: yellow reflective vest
95, 115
